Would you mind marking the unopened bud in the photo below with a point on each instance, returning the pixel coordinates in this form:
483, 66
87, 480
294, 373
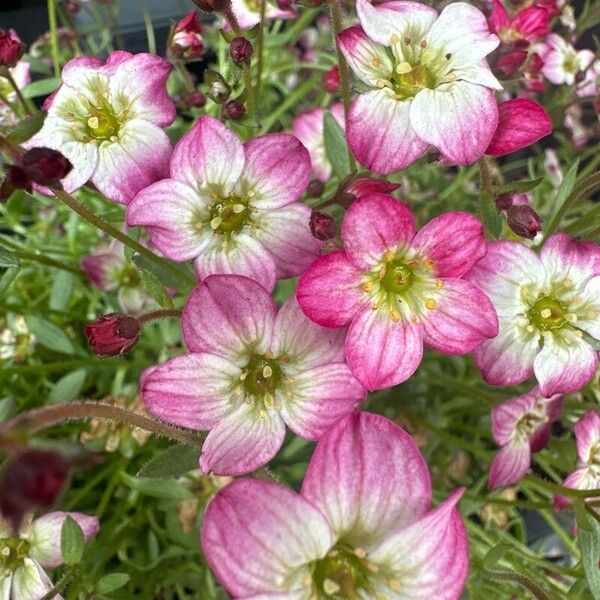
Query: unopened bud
363, 186
322, 226
45, 165
240, 49
524, 221
11, 48
218, 89
187, 38
510, 62
235, 110
332, 79
315, 189
194, 99
211, 5
113, 334
504, 201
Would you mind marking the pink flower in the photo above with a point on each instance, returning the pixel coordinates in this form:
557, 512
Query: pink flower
34, 548
361, 527
20, 74
308, 128
251, 370
521, 426
528, 24
587, 475
562, 62
429, 84
232, 206
247, 12
107, 119
397, 289
521, 122
187, 37
590, 84
547, 306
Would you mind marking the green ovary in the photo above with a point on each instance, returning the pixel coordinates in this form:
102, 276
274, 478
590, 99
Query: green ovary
397, 277
262, 375
548, 314
228, 216
407, 85
13, 551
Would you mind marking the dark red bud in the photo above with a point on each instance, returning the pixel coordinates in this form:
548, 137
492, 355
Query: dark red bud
11, 48
16, 177
504, 201
332, 79
195, 98
45, 166
510, 62
524, 221
315, 189
73, 7
235, 110
322, 225
240, 49
211, 5
363, 186
113, 334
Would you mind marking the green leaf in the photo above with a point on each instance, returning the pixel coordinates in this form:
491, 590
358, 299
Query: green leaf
71, 541
41, 87
8, 258
67, 388
518, 187
62, 290
589, 542
172, 462
156, 289
158, 488
7, 408
566, 186
27, 128
490, 216
49, 335
112, 582
335, 145
166, 278
494, 554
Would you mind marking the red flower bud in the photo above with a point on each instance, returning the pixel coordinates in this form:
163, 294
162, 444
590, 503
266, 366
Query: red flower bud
510, 62
524, 221
187, 39
113, 334
11, 48
211, 5
240, 49
322, 226
315, 189
45, 166
16, 177
371, 185
235, 110
195, 98
504, 201
332, 79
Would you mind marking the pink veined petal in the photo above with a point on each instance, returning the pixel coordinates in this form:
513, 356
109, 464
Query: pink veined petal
420, 16
138, 159
454, 242
277, 170
508, 358
102, 269
285, 233
564, 257
301, 594
464, 317
381, 23
381, 352
243, 255
521, 122
243, 441
5, 587
209, 153
306, 344
169, 210
532, 23
344, 479
510, 464
539, 438
458, 118
193, 390
368, 60
30, 582
588, 311
505, 416
115, 58
587, 434
373, 225
132, 299
322, 395
565, 364
44, 536
478, 73
380, 134
499, 18
436, 564
308, 128
579, 479
75, 73
257, 536
227, 315
328, 291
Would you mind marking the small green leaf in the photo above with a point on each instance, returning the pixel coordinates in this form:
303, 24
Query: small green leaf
49, 335
27, 128
7, 408
494, 554
172, 462
156, 289
518, 187
71, 541
62, 290
41, 87
589, 542
166, 278
490, 216
67, 388
566, 186
158, 488
8, 258
335, 145
112, 582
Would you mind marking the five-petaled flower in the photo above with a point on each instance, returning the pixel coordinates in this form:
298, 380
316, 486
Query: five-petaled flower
232, 206
429, 83
562, 62
107, 119
397, 289
362, 526
250, 371
547, 305
521, 426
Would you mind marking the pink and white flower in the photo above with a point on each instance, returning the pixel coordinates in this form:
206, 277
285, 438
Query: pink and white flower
107, 119
247, 12
232, 206
36, 547
587, 475
521, 426
250, 371
562, 62
429, 83
361, 527
530, 23
308, 128
397, 289
187, 37
548, 307
590, 84
21, 76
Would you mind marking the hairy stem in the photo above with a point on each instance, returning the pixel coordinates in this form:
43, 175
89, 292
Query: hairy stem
53, 37
159, 314
531, 586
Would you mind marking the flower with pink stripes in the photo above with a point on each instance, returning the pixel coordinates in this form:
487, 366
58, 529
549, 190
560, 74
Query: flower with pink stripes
521, 426
428, 83
362, 526
562, 62
397, 288
548, 308
250, 371
232, 206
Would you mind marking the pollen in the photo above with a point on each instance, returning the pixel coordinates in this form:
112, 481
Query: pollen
546, 313
367, 287
93, 122
267, 371
530, 328
403, 68
330, 587
376, 62
238, 208
388, 256
214, 223
394, 39
430, 303
394, 316
423, 43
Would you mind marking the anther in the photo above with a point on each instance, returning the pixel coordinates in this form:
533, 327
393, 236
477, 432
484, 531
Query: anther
93, 122
394, 315
430, 303
571, 317
268, 400
330, 587
395, 585
380, 83
367, 287
238, 208
267, 371
530, 328
439, 284
423, 43
243, 376
214, 224
403, 68
394, 39
376, 62
407, 41
360, 552
114, 138
250, 193
388, 256
546, 313
448, 56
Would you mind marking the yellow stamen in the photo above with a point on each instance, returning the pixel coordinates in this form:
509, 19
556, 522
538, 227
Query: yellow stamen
430, 303
403, 68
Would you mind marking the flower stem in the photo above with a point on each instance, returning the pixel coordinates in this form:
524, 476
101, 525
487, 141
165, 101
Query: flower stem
53, 37
559, 489
260, 47
531, 586
486, 178
41, 418
159, 314
15, 87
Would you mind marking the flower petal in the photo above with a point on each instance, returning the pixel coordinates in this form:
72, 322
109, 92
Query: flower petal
344, 478
30, 582
208, 153
193, 390
566, 258
257, 536
458, 118
308, 128
227, 315
588, 310
380, 134
463, 318
510, 464
243, 441
328, 291
454, 242
373, 225
587, 433
381, 352
277, 170
505, 416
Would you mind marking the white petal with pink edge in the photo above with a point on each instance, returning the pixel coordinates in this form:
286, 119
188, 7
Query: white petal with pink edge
564, 257
588, 310
30, 582
510, 464
505, 416
587, 433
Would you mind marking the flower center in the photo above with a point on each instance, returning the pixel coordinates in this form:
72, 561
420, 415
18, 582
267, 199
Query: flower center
102, 124
228, 216
261, 378
130, 277
397, 277
530, 421
548, 314
13, 551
